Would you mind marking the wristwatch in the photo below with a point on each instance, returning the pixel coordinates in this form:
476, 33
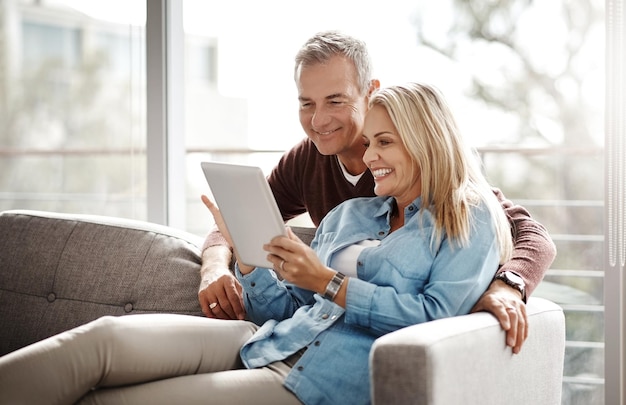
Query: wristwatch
513, 280
333, 286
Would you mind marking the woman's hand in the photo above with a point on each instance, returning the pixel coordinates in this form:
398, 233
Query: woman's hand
221, 225
297, 263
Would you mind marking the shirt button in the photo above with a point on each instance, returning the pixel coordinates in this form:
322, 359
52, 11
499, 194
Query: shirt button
300, 368
253, 284
325, 316
317, 343
411, 208
381, 233
333, 317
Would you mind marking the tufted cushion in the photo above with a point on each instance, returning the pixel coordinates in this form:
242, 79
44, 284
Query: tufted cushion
58, 271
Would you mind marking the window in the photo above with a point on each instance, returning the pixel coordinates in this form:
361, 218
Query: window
73, 117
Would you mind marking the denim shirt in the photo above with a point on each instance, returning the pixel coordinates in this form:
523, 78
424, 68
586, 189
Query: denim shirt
405, 280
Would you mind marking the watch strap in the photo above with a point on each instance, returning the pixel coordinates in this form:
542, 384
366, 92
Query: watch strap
333, 286
519, 287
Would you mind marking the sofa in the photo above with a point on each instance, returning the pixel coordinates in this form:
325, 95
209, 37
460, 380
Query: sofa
58, 271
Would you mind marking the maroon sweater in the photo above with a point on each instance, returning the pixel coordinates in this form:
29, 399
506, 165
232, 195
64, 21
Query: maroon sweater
306, 181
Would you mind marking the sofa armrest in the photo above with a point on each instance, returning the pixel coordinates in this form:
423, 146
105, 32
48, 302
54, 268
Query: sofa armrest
465, 360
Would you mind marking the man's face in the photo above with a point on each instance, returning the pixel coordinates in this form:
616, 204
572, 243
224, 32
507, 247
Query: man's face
332, 110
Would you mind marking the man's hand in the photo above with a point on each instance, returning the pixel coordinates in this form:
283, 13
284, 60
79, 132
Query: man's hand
505, 303
220, 293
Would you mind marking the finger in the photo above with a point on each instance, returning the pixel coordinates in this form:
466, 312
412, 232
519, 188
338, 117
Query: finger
291, 235
522, 329
230, 302
207, 202
235, 302
223, 309
205, 301
500, 312
511, 333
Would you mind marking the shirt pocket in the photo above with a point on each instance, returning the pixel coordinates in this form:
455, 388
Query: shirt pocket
407, 259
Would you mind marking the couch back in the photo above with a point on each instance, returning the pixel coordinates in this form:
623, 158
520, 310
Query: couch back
59, 271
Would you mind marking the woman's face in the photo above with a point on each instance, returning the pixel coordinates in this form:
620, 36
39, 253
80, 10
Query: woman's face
395, 173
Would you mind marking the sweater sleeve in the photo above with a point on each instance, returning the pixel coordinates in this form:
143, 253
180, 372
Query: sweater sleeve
214, 238
533, 249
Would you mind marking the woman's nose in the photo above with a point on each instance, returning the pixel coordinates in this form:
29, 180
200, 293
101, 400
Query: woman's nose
369, 156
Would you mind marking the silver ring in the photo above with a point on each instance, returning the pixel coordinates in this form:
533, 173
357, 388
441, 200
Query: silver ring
213, 305
281, 265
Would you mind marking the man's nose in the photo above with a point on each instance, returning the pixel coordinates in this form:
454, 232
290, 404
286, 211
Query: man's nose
321, 117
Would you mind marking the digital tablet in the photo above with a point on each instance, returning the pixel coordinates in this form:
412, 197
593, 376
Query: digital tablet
248, 207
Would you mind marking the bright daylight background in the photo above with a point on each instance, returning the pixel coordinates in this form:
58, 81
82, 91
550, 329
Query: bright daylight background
256, 54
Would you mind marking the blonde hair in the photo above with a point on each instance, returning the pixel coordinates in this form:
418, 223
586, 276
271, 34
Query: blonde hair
452, 181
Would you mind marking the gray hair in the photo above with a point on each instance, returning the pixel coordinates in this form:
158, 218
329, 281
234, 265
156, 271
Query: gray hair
324, 45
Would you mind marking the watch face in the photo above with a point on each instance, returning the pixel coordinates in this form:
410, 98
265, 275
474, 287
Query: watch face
513, 278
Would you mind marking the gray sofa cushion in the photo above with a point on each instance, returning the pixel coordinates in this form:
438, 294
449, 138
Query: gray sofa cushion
59, 271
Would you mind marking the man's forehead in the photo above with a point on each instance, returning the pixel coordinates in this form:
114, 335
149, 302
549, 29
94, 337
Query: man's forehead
320, 81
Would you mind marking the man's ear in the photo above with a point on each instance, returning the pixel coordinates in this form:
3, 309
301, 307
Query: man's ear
374, 85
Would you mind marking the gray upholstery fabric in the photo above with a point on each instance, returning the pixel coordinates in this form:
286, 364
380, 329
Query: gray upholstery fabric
60, 271
464, 360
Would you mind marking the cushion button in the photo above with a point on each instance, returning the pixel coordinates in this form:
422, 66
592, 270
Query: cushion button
128, 307
52, 297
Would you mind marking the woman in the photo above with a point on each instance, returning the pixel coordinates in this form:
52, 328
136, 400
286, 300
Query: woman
424, 248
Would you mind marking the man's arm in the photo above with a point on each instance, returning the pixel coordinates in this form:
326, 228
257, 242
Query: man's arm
219, 293
533, 253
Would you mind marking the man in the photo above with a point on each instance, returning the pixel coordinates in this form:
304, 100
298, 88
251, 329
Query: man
333, 78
